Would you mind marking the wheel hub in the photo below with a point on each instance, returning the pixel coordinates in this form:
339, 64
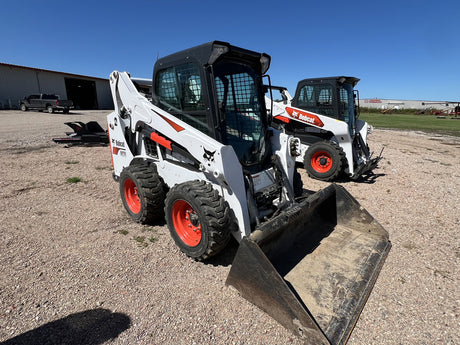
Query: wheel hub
323, 161
131, 196
193, 217
186, 223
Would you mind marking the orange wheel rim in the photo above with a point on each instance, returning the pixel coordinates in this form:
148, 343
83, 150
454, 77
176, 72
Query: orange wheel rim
186, 223
132, 198
321, 161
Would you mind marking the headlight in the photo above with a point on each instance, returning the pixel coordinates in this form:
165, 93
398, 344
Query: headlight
294, 147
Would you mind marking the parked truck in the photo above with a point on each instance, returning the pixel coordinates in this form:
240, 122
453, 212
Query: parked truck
48, 102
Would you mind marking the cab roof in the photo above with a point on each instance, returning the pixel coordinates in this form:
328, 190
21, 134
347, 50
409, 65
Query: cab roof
341, 79
209, 53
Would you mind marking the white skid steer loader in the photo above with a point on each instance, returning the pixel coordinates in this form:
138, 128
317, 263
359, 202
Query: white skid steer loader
323, 114
202, 155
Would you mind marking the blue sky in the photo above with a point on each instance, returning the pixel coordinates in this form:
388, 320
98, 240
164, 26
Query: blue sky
399, 49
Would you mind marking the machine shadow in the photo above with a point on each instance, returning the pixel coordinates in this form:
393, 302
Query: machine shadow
225, 257
369, 178
94, 326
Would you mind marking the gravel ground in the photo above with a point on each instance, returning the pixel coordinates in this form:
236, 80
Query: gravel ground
75, 269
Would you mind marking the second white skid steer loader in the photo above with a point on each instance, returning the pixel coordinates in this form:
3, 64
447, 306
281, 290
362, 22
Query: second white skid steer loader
203, 152
323, 114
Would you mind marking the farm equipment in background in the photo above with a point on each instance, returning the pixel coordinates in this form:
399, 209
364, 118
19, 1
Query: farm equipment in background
324, 115
453, 111
387, 110
203, 155
440, 114
89, 133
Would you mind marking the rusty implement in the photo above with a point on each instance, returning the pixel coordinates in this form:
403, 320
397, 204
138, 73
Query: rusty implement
313, 266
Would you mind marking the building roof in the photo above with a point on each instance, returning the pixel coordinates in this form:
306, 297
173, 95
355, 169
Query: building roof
46, 70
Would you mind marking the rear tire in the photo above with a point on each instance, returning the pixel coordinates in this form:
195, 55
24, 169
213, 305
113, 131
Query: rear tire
23, 107
198, 219
324, 160
143, 193
50, 109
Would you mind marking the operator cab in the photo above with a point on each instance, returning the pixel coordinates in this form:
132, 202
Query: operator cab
334, 97
217, 88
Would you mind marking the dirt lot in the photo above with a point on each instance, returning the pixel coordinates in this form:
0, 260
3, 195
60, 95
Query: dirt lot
75, 269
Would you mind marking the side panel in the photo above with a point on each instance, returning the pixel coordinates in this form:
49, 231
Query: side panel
218, 163
363, 128
119, 150
280, 143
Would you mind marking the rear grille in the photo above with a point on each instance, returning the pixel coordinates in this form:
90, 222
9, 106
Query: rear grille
150, 147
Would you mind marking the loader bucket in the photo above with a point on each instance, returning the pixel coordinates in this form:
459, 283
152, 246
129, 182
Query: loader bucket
313, 266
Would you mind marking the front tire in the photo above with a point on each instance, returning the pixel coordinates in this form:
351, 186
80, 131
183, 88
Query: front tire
23, 107
198, 219
323, 160
143, 193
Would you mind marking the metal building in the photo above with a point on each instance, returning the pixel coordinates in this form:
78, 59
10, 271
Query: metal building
86, 92
383, 104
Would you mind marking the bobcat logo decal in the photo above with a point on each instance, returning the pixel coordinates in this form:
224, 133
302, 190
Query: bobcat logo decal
208, 155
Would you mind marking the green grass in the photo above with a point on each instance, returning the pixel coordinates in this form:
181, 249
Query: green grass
74, 179
140, 241
425, 123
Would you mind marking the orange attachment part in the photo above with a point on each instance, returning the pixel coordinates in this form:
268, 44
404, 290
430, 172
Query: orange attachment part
282, 118
161, 140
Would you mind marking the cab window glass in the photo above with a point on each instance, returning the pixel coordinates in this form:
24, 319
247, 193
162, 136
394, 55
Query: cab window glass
240, 108
179, 91
306, 96
317, 98
344, 103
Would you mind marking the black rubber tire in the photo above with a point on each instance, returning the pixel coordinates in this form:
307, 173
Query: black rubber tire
149, 193
23, 107
211, 214
324, 160
50, 109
